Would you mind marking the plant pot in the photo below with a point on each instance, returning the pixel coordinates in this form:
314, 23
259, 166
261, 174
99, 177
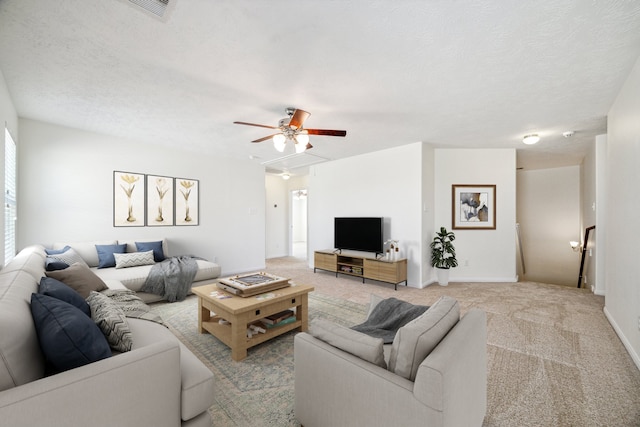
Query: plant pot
443, 276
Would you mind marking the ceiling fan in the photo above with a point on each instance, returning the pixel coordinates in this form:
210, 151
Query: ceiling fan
290, 129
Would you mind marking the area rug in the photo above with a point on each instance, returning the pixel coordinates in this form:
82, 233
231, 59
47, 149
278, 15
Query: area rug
257, 391
552, 357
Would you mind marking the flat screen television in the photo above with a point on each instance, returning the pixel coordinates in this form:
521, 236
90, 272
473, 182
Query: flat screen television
359, 234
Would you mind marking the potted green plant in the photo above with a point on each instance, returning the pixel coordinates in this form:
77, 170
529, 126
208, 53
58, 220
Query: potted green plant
443, 255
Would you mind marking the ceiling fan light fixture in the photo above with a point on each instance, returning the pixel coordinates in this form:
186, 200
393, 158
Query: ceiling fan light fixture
302, 138
290, 129
300, 147
279, 141
531, 139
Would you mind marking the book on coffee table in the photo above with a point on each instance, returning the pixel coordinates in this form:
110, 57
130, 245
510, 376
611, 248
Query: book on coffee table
277, 317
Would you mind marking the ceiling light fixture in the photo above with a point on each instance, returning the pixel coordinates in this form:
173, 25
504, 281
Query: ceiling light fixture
279, 141
285, 176
531, 139
300, 138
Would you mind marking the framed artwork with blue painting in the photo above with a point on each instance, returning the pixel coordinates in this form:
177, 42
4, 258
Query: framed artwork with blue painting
473, 207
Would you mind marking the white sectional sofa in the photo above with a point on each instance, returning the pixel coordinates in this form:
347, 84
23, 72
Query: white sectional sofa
133, 277
159, 382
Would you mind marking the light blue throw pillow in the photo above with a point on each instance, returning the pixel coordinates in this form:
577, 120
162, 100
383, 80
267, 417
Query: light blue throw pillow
105, 254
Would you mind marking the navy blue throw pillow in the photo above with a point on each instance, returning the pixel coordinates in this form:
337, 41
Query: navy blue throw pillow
55, 288
105, 254
68, 338
53, 264
156, 247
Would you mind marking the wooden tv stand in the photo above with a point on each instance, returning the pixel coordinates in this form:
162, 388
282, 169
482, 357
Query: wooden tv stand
361, 266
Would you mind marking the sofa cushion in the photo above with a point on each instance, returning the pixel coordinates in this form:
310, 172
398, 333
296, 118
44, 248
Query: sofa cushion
198, 383
374, 300
415, 340
156, 247
56, 289
69, 256
111, 320
105, 254
30, 260
80, 278
68, 338
87, 250
134, 259
21, 360
354, 342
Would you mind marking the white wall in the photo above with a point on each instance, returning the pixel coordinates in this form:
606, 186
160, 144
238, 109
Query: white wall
622, 300
277, 217
428, 210
548, 211
385, 183
593, 211
66, 194
600, 241
491, 254
9, 118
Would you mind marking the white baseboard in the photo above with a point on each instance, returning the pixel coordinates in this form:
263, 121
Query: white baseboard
624, 339
513, 279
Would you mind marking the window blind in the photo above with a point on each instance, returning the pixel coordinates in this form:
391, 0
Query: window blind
10, 205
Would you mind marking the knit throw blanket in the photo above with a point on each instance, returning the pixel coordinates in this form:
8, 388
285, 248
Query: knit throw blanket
387, 317
172, 278
132, 305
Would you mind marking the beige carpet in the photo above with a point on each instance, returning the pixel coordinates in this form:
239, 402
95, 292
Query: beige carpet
553, 358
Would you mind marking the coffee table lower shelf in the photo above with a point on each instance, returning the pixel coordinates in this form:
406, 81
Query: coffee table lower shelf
224, 332
240, 312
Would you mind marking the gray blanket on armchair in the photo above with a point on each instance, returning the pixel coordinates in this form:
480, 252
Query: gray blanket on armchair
387, 317
172, 278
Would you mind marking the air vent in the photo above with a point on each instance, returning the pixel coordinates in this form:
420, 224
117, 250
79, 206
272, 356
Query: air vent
293, 161
157, 7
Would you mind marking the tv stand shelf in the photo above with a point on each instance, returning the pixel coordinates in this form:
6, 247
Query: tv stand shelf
393, 272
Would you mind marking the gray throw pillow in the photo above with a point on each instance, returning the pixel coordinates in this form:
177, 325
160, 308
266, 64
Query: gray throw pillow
80, 278
111, 320
134, 259
68, 256
415, 340
354, 342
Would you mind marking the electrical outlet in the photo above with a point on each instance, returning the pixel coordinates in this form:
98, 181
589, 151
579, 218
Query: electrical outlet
465, 263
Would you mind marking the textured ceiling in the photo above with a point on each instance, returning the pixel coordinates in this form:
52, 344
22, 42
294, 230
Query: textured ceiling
457, 73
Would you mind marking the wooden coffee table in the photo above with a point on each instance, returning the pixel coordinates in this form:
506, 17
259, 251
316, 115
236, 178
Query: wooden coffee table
240, 312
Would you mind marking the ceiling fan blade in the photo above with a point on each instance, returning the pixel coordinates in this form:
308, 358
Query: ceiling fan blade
253, 124
327, 132
265, 138
299, 116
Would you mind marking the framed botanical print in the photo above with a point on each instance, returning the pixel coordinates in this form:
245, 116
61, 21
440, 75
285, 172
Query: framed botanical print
160, 195
473, 207
187, 201
128, 199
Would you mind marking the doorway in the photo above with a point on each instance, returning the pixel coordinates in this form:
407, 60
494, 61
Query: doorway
298, 223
